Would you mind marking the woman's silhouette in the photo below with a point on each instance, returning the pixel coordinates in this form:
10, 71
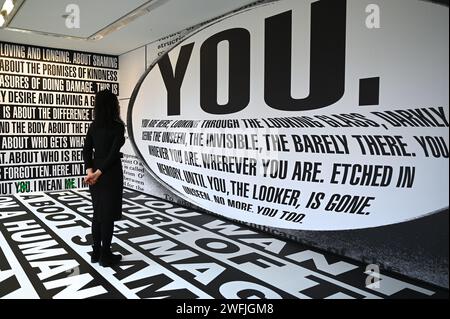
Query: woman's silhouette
102, 156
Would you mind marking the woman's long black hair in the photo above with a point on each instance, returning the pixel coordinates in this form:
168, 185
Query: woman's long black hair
106, 110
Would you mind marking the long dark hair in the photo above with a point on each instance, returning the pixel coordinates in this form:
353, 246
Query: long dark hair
106, 110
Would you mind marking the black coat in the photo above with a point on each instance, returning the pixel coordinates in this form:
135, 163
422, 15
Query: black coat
102, 151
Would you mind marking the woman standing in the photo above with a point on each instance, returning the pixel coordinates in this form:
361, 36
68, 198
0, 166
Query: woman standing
103, 164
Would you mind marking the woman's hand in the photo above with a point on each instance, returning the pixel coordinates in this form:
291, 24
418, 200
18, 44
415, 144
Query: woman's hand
89, 177
95, 176
92, 177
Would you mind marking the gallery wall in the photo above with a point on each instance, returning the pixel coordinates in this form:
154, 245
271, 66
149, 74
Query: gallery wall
417, 248
46, 106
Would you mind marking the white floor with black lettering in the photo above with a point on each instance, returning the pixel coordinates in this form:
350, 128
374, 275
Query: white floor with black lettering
170, 252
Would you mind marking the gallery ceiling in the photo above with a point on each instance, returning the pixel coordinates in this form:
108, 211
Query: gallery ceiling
124, 25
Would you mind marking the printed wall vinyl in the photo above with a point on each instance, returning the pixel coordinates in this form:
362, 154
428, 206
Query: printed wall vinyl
303, 114
46, 106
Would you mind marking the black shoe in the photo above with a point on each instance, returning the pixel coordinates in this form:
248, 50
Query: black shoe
108, 259
95, 256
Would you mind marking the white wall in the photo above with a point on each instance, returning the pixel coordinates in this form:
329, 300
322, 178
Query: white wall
132, 66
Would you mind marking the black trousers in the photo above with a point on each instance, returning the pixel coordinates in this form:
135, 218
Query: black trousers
102, 233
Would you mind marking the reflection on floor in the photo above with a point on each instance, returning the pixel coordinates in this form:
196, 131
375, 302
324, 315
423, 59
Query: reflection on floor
170, 252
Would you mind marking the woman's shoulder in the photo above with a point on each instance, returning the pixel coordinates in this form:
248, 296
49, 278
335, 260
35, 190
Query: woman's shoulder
119, 126
116, 126
119, 123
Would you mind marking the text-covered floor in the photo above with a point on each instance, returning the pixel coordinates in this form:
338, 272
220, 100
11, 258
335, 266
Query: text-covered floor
170, 252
